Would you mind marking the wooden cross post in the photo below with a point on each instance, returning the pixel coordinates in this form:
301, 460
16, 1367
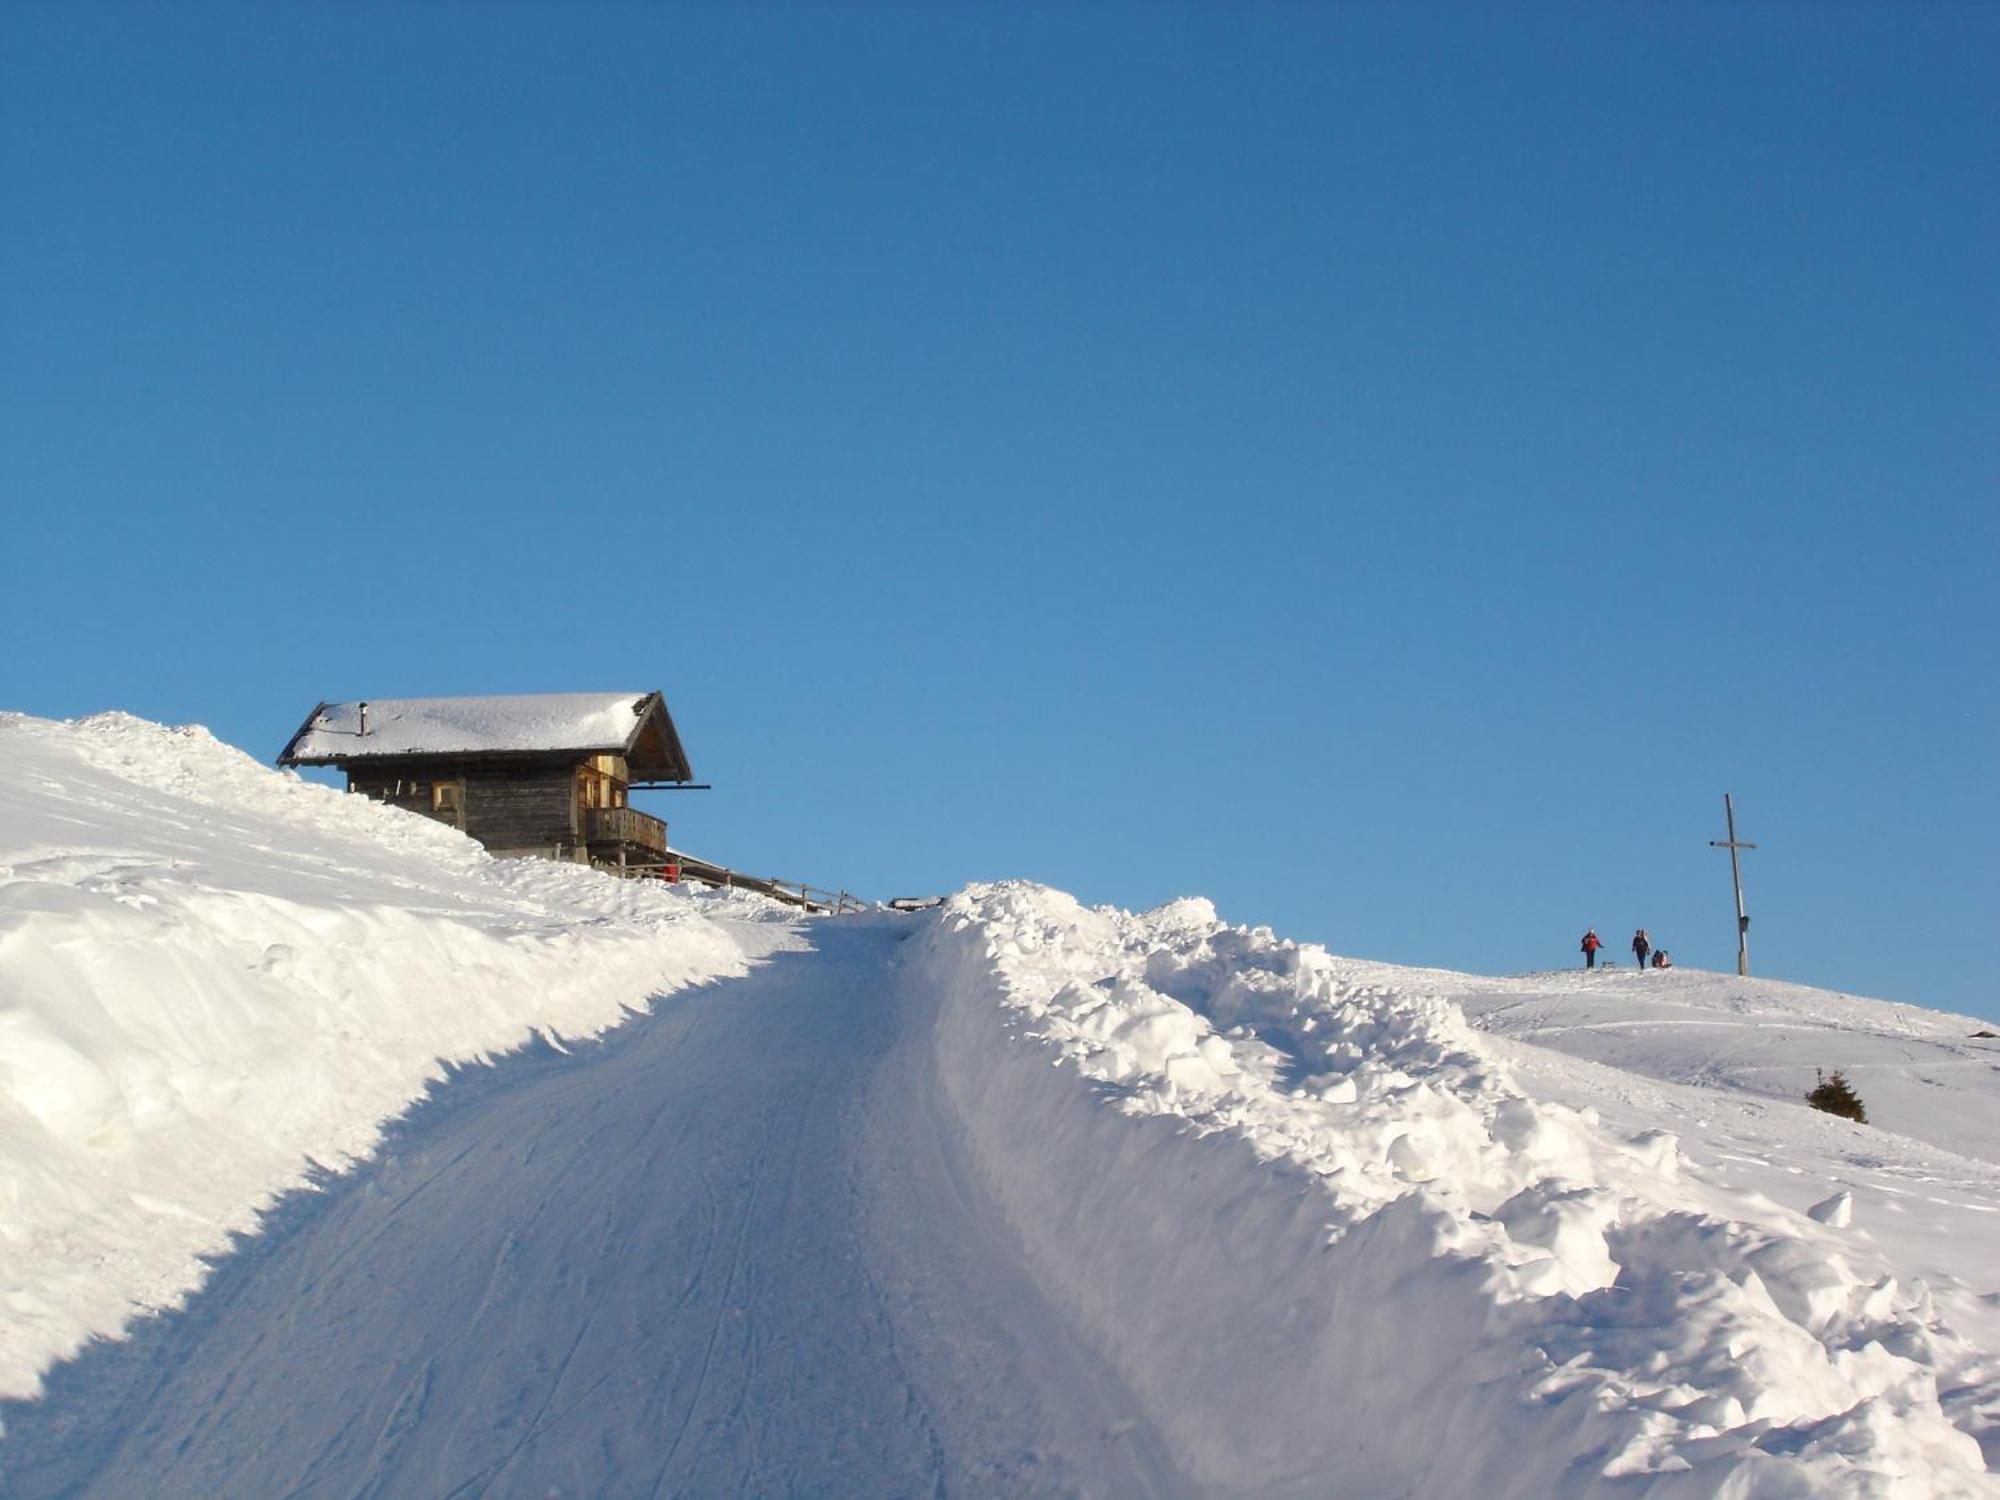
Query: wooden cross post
1732, 844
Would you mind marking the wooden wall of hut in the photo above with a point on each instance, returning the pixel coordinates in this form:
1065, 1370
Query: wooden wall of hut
537, 809
511, 809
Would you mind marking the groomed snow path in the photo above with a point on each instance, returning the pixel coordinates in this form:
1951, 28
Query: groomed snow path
728, 1249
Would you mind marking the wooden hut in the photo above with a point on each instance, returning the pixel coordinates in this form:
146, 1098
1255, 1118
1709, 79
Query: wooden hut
546, 774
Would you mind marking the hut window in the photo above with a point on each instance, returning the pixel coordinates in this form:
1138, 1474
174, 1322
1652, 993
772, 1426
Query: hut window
444, 797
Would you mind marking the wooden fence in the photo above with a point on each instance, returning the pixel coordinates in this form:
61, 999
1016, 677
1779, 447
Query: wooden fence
797, 893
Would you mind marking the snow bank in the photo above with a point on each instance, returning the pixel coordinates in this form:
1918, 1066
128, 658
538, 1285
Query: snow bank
1335, 1249
213, 975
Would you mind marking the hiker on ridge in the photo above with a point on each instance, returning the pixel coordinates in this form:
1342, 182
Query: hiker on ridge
1641, 946
1591, 943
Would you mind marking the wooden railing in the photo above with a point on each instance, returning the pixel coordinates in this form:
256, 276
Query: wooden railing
622, 825
812, 898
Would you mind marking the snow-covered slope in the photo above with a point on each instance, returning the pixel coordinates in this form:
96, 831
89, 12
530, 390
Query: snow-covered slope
1010, 1197
213, 975
1727, 1062
1318, 1218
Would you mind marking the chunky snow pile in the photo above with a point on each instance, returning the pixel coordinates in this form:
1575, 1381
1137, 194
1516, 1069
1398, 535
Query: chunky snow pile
1304, 1210
213, 976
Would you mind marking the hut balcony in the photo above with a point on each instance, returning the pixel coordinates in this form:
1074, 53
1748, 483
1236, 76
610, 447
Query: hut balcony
613, 828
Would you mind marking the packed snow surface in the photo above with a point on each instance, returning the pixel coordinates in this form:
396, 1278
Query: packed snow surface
1011, 1196
521, 723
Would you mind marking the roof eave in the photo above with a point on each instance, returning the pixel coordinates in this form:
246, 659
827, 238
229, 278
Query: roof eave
285, 756
676, 758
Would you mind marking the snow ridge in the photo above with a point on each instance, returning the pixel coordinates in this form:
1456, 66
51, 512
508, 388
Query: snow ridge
1386, 1269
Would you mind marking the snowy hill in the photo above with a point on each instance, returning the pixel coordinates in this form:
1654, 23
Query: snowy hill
1010, 1197
214, 976
1728, 1060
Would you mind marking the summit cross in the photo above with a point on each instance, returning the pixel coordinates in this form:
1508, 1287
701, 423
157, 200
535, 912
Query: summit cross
1732, 844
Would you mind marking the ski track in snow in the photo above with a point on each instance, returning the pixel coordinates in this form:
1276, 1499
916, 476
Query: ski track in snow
650, 1268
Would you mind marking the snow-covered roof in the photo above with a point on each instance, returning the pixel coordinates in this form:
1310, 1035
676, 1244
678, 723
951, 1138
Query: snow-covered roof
635, 725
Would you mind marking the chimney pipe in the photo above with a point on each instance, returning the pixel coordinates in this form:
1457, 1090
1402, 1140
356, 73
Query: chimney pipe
364, 718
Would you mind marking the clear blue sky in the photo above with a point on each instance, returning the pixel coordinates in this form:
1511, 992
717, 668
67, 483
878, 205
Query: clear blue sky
1389, 469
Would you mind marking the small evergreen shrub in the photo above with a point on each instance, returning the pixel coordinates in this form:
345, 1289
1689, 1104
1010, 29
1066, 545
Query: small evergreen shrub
1837, 1097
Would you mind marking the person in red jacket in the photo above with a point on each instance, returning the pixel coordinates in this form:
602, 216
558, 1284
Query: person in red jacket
1591, 943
